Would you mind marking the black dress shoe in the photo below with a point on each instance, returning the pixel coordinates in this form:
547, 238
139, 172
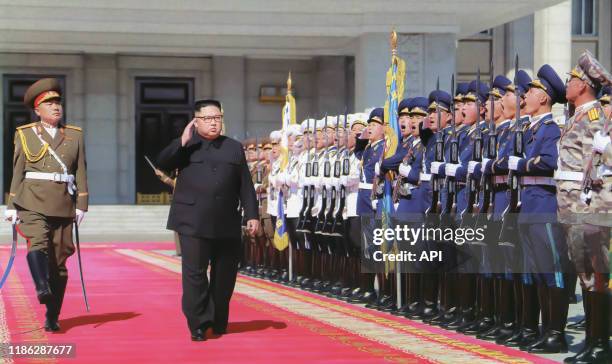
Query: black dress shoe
580, 325
597, 352
551, 342
528, 337
368, 297
51, 325
198, 335
219, 331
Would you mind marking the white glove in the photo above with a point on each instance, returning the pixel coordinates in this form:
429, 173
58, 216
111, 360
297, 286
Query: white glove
451, 169
317, 182
11, 216
377, 169
404, 169
586, 197
471, 166
485, 161
600, 142
279, 180
435, 166
343, 180
513, 162
374, 204
80, 214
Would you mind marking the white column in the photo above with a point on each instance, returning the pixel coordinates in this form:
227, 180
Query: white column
228, 74
101, 128
553, 38
439, 60
372, 61
519, 40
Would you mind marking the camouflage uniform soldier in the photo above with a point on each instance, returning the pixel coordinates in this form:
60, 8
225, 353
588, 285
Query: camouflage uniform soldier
597, 197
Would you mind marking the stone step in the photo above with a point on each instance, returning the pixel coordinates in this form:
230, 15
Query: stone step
116, 219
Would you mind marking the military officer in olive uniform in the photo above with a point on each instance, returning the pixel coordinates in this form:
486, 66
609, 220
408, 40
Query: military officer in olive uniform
48, 193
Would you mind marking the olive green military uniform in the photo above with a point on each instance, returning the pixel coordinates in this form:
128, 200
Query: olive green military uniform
49, 183
46, 208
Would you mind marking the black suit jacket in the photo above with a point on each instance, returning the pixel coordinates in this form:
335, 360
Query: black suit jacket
213, 181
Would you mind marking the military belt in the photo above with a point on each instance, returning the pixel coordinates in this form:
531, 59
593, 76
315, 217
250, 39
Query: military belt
568, 176
545, 181
425, 177
365, 186
501, 179
54, 177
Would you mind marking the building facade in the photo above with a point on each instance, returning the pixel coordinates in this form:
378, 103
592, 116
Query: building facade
131, 69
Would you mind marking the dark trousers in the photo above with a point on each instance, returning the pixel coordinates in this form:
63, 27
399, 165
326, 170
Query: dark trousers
206, 302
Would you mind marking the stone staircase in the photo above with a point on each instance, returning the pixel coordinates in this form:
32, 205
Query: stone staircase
116, 223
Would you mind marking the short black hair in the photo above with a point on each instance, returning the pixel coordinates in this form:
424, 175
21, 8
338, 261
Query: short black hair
206, 102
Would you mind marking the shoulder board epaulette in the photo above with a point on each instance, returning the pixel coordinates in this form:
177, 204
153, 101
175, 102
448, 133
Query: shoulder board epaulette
593, 114
549, 121
26, 126
73, 127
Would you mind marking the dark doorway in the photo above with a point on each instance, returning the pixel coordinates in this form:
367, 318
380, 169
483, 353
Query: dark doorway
15, 114
163, 109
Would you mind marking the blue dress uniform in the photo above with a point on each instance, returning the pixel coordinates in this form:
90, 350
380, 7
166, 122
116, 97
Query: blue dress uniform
544, 247
467, 149
371, 155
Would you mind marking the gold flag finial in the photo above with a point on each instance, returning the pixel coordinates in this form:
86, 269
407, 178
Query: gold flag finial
393, 42
289, 83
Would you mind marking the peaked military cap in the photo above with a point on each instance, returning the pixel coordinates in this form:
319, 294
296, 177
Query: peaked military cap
377, 116
498, 89
477, 91
439, 98
42, 90
404, 107
549, 81
418, 106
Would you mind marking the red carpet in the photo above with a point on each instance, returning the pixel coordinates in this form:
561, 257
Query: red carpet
134, 294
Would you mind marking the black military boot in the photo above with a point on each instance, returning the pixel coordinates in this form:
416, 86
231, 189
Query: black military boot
597, 346
54, 307
553, 339
506, 315
528, 331
38, 261
486, 322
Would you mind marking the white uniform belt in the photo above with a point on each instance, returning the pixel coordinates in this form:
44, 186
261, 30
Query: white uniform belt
501, 179
547, 181
568, 176
55, 177
425, 177
365, 186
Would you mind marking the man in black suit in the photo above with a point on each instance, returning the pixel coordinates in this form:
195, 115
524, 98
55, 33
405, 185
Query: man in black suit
213, 184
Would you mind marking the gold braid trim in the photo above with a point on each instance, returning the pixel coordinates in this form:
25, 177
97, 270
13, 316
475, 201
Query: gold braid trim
32, 158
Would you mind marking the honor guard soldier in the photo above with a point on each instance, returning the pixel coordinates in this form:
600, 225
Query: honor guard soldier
582, 153
435, 130
506, 301
289, 180
48, 192
272, 207
366, 206
364, 290
303, 177
544, 248
492, 302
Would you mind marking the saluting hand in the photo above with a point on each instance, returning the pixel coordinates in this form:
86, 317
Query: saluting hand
188, 132
253, 227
